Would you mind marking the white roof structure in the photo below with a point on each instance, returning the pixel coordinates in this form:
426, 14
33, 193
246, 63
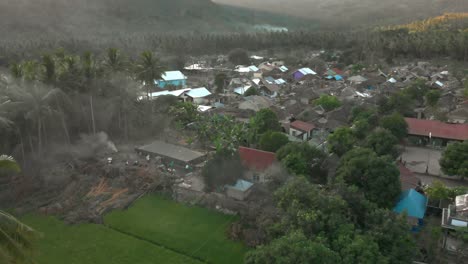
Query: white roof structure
173, 76
444, 72
283, 69
242, 90
175, 93
392, 80
357, 79
253, 68
439, 84
204, 108
255, 57
243, 69
280, 81
461, 204
307, 71
198, 92
256, 81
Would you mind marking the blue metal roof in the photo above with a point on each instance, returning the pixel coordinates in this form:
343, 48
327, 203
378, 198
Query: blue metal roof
241, 185
413, 203
173, 75
198, 92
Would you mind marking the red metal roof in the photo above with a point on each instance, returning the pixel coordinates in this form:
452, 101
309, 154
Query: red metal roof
407, 178
421, 127
303, 126
255, 159
338, 71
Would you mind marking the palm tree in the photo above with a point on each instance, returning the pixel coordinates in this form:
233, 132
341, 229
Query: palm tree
148, 69
16, 238
16, 70
37, 103
114, 61
48, 63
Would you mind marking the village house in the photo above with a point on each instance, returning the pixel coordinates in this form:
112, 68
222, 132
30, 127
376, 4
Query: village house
454, 218
240, 190
301, 73
414, 204
434, 132
172, 78
171, 154
301, 130
266, 67
257, 162
198, 96
270, 90
459, 115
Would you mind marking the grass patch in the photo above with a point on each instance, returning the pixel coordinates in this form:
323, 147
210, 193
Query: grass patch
195, 231
95, 244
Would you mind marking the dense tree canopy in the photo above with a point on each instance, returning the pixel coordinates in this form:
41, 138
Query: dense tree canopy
382, 142
320, 226
341, 141
328, 102
272, 141
454, 160
302, 159
377, 177
396, 124
264, 120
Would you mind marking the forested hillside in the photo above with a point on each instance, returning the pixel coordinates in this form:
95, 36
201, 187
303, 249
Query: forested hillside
101, 18
354, 13
448, 21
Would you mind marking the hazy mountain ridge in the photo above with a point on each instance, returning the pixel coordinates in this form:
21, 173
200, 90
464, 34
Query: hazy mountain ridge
80, 18
353, 13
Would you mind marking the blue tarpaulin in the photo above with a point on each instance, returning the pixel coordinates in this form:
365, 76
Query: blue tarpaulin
413, 203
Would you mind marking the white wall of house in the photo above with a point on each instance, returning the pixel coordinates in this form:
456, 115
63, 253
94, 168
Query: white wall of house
297, 133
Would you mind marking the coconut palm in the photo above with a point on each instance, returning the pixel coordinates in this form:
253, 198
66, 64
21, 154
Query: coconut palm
36, 103
16, 238
48, 64
114, 61
148, 69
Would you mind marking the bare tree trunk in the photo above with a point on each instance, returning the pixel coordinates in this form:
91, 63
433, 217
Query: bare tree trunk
39, 136
22, 149
92, 114
31, 143
126, 127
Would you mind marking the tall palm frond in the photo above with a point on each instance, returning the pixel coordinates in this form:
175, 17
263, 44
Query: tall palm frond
7, 162
16, 238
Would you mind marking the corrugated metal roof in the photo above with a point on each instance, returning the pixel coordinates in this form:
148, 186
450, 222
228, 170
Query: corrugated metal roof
255, 159
280, 81
242, 90
173, 75
413, 203
253, 68
198, 92
307, 71
166, 92
241, 185
437, 129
